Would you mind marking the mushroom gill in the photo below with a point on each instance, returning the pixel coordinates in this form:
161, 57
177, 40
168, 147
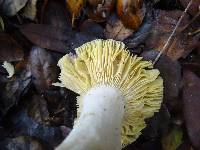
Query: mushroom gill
108, 62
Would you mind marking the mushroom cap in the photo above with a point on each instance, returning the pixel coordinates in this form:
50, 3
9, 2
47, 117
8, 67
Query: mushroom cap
107, 62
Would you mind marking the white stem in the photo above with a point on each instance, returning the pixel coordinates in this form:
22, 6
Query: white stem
99, 125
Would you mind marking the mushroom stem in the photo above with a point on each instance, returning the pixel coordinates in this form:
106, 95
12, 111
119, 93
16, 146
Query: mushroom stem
100, 121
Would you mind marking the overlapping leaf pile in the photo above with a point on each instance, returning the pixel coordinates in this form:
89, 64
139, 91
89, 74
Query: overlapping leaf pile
34, 34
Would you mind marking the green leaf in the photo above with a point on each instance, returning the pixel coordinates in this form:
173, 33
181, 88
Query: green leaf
173, 139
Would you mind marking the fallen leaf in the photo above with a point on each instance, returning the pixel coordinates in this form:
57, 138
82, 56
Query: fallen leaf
131, 12
142, 33
194, 8
163, 25
13, 89
100, 9
10, 49
43, 68
55, 14
116, 30
192, 62
21, 124
62, 106
191, 105
172, 140
89, 27
37, 109
89, 31
11, 7
74, 7
30, 9
48, 36
22, 143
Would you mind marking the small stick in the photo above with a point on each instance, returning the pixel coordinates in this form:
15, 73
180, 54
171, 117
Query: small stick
173, 33
193, 19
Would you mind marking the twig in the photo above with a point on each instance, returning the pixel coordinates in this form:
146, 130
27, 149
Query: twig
173, 33
194, 32
193, 19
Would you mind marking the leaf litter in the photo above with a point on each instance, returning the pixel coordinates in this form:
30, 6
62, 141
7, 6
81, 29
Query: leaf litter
36, 114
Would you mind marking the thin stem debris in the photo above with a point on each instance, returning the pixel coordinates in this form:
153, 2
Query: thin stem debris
169, 40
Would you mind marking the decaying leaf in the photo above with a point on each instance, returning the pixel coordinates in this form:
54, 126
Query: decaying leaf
74, 7
192, 63
10, 50
21, 124
48, 36
142, 33
163, 25
55, 14
131, 12
191, 105
100, 9
116, 30
30, 9
22, 143
38, 109
43, 68
13, 90
172, 140
11, 7
194, 8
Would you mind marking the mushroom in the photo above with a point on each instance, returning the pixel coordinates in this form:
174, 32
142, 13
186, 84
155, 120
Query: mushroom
118, 91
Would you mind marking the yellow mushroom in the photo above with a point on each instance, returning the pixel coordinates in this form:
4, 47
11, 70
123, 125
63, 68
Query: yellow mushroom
118, 91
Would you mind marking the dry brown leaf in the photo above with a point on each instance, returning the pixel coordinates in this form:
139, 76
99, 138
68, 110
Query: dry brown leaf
194, 8
130, 12
55, 14
191, 105
43, 68
48, 36
74, 7
10, 50
116, 30
163, 25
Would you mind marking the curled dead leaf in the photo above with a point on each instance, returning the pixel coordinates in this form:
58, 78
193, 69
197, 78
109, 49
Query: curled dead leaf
74, 7
131, 12
116, 30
